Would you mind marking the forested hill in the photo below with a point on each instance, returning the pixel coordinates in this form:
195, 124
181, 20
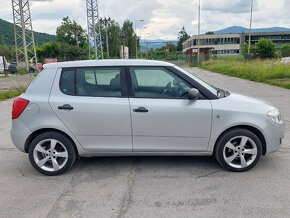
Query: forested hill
7, 35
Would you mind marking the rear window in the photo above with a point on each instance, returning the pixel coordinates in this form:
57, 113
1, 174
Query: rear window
67, 81
98, 82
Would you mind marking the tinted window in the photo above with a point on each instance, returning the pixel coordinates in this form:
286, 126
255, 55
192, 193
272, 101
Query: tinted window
67, 81
158, 83
99, 82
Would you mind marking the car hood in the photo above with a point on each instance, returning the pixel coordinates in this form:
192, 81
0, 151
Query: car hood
238, 102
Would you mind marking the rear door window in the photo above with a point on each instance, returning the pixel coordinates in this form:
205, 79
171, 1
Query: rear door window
96, 82
67, 81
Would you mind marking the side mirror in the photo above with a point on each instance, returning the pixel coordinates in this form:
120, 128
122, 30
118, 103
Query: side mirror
193, 94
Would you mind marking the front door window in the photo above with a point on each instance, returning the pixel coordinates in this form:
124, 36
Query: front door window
157, 82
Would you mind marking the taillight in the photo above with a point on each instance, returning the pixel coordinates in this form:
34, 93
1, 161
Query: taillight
19, 105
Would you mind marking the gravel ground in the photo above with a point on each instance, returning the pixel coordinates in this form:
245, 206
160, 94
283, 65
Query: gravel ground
150, 186
15, 82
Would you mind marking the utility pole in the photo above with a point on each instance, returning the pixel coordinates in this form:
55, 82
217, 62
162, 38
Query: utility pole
147, 51
137, 37
4, 65
94, 30
122, 36
249, 45
146, 38
198, 40
166, 51
106, 21
23, 33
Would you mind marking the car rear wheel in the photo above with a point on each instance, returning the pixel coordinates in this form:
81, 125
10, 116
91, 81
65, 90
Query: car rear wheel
51, 153
238, 150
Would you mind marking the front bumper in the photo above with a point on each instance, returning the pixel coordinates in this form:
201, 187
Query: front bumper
274, 136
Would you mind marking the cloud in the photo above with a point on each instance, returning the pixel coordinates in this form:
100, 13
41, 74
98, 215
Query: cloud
46, 25
228, 6
162, 18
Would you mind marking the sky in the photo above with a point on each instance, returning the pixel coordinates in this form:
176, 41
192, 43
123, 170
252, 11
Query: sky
163, 19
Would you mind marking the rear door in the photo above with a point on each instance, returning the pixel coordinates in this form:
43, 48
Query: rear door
163, 119
93, 103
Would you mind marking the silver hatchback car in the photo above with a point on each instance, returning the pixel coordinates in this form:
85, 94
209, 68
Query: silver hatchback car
138, 107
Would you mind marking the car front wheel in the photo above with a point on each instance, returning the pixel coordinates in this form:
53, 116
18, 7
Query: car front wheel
238, 150
51, 153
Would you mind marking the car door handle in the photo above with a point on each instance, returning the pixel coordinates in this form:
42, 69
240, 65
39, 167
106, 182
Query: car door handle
65, 107
141, 110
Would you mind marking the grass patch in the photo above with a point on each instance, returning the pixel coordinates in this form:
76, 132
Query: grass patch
230, 58
10, 94
264, 71
22, 72
6, 76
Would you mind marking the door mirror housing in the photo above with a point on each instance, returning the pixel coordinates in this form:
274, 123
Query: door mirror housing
193, 94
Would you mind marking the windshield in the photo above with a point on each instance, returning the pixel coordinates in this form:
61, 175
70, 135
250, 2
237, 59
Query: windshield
211, 88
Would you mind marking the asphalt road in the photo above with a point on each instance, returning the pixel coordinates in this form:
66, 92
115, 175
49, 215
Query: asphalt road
150, 186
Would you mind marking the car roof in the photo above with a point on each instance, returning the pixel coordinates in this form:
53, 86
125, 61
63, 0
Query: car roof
107, 63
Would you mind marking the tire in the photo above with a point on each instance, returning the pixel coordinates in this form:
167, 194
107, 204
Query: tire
52, 162
238, 150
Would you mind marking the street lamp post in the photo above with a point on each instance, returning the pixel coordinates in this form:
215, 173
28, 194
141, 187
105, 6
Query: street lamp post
141, 40
249, 45
146, 38
137, 37
198, 40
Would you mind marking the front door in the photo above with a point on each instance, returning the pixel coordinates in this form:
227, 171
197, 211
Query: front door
163, 119
93, 104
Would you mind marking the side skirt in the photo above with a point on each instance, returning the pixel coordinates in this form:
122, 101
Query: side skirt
108, 154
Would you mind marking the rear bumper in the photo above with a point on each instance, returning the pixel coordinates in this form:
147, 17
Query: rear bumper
19, 133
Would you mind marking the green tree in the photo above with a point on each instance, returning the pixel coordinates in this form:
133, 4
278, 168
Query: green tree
130, 37
170, 47
285, 50
71, 32
49, 50
265, 48
6, 52
182, 37
245, 49
114, 31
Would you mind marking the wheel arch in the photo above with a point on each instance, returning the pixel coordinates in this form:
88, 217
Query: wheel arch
36, 133
253, 129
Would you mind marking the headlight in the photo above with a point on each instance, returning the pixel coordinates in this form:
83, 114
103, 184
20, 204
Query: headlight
275, 115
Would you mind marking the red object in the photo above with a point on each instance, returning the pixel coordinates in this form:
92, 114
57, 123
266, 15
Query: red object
50, 60
19, 105
39, 66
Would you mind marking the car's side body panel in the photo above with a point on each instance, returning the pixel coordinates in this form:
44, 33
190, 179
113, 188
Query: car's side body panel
171, 125
38, 114
101, 124
238, 110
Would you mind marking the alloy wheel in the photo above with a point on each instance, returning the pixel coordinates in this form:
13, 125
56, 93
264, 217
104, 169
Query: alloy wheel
50, 155
240, 152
